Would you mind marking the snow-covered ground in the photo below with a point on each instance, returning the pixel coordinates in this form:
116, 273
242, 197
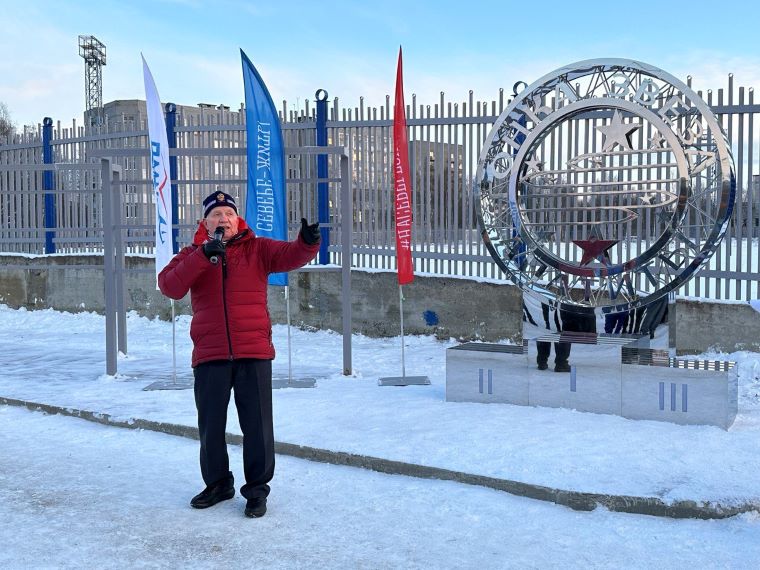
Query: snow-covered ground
140, 501
74, 494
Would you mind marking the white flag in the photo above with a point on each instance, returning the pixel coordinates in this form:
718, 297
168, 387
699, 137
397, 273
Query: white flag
159, 171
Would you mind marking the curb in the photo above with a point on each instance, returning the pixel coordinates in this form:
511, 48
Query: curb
576, 500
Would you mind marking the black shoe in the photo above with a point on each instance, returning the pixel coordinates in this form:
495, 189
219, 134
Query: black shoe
255, 508
562, 367
543, 366
213, 494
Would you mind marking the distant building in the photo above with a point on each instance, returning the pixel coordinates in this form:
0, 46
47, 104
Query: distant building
434, 165
200, 175
130, 114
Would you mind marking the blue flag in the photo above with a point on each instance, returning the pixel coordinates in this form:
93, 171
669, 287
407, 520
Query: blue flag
265, 204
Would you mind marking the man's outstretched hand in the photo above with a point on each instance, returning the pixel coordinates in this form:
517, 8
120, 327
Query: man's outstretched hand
310, 233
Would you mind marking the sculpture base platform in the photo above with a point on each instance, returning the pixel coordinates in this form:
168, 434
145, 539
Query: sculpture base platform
607, 375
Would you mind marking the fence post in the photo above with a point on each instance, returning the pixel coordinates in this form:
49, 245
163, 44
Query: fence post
346, 240
109, 292
48, 185
171, 138
323, 208
118, 243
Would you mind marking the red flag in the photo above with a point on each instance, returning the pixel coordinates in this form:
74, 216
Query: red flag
402, 184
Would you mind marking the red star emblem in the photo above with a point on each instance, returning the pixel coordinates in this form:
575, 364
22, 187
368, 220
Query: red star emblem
594, 247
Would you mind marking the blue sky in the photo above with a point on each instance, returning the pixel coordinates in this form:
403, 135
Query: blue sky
350, 48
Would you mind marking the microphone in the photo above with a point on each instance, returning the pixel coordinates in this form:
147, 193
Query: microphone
218, 235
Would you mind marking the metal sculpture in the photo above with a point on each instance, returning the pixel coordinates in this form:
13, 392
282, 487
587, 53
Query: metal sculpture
604, 185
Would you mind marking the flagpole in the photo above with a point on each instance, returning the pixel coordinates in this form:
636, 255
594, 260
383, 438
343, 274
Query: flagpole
402, 209
174, 346
163, 174
287, 311
401, 310
264, 136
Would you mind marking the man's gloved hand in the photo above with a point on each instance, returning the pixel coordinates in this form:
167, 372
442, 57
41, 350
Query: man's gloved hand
212, 248
310, 233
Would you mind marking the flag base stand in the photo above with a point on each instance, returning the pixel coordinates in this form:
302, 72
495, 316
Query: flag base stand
403, 381
185, 383
172, 381
285, 382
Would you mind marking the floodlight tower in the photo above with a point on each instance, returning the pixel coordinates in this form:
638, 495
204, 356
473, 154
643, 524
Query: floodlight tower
93, 52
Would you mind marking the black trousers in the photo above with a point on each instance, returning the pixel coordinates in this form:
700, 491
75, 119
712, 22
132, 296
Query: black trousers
251, 380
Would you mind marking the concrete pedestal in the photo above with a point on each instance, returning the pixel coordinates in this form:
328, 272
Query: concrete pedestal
482, 372
592, 385
656, 387
609, 375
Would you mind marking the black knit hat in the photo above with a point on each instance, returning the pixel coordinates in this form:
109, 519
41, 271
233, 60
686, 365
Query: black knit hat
217, 199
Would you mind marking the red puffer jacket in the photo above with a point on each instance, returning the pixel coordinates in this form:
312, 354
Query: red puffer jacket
230, 314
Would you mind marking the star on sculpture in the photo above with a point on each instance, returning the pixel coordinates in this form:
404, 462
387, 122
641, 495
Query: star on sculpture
593, 248
657, 142
534, 164
647, 198
617, 132
544, 235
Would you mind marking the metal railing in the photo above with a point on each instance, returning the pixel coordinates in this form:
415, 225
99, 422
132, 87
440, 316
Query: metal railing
445, 141
114, 235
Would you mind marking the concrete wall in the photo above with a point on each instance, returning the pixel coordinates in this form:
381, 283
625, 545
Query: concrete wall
445, 307
728, 327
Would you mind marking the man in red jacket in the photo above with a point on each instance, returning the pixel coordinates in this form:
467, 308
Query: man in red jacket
232, 341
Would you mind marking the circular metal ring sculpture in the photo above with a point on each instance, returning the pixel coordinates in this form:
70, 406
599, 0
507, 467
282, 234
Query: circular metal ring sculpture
604, 185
